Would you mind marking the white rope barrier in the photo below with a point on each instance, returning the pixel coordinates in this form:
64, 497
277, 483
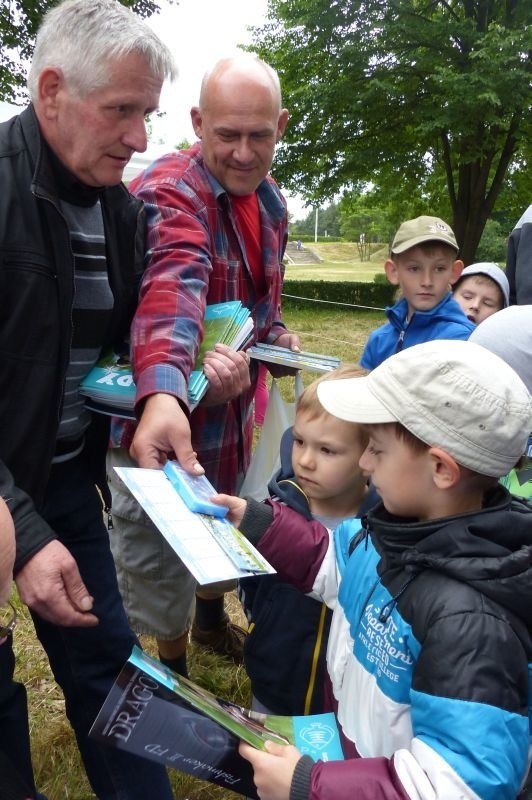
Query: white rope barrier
331, 302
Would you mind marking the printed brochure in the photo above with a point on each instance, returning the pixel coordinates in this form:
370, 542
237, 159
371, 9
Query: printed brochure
159, 715
211, 547
288, 358
109, 386
228, 323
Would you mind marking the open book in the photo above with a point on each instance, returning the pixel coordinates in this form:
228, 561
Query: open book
210, 547
155, 713
109, 386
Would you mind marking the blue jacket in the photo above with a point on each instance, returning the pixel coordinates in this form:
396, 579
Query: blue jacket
285, 649
444, 321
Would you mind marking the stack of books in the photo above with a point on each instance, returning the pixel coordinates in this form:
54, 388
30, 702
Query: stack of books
109, 386
226, 323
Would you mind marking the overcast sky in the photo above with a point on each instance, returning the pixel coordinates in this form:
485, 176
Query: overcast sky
198, 32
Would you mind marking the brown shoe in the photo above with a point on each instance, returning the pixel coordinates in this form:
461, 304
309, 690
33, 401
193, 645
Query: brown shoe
227, 639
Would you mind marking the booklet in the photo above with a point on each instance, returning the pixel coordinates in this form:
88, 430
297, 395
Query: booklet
228, 323
210, 547
157, 714
304, 360
109, 386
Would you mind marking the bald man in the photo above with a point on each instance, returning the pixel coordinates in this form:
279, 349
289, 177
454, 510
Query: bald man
217, 230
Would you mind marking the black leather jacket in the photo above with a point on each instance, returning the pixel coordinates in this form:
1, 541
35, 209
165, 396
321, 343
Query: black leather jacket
36, 295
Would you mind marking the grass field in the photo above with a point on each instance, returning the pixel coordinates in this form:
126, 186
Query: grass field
57, 766
341, 262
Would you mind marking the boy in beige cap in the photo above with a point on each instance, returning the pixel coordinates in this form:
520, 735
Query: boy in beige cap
431, 634
423, 263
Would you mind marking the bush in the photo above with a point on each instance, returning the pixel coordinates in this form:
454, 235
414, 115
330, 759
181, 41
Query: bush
309, 238
376, 295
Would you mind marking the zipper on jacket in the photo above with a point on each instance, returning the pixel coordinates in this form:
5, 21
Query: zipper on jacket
47, 199
400, 341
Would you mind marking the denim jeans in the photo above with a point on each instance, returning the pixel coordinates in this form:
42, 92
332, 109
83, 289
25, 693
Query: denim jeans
86, 661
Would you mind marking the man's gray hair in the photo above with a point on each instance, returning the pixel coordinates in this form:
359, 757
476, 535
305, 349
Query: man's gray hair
83, 37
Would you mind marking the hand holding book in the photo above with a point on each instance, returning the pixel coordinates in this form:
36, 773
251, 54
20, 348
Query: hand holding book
227, 372
157, 714
109, 386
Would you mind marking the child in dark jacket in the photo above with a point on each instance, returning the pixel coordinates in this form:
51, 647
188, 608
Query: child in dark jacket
430, 645
284, 652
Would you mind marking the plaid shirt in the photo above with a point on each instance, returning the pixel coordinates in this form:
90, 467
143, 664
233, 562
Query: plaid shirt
196, 256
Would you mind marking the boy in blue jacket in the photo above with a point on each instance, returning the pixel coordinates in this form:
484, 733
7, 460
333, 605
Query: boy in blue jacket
431, 637
424, 265
285, 649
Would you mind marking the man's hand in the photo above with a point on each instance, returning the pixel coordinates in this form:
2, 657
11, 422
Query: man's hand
164, 428
288, 340
50, 584
236, 505
228, 374
291, 342
273, 770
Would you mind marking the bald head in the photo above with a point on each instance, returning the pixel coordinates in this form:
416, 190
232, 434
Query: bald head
239, 120
244, 68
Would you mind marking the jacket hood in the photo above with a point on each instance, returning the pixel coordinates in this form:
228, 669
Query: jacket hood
283, 485
490, 550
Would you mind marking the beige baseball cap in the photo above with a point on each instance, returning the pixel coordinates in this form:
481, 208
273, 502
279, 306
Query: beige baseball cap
451, 394
422, 229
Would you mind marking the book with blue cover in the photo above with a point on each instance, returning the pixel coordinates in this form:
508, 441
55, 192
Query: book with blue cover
109, 386
157, 714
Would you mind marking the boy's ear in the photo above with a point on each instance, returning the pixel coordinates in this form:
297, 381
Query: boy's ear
445, 470
390, 269
456, 271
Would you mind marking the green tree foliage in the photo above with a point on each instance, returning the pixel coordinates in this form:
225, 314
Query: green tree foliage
328, 221
421, 98
19, 21
364, 214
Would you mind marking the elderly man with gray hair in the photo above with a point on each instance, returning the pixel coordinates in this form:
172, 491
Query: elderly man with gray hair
71, 238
